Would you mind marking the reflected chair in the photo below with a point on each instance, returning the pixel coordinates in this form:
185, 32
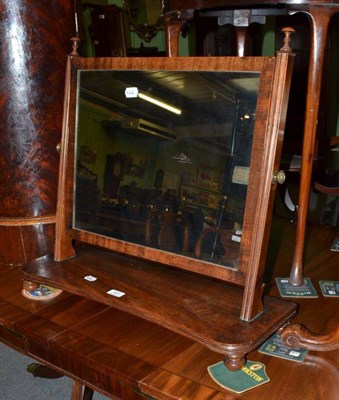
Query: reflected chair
168, 231
228, 240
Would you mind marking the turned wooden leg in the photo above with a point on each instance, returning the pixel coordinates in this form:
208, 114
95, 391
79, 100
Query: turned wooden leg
234, 362
319, 19
81, 392
30, 286
42, 371
242, 40
175, 22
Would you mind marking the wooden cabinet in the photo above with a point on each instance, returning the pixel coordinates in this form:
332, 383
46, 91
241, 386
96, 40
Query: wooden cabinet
106, 29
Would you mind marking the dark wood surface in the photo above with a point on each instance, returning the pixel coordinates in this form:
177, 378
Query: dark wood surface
31, 87
120, 355
275, 76
202, 309
319, 13
214, 314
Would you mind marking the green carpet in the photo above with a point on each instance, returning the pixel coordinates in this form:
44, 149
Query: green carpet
17, 384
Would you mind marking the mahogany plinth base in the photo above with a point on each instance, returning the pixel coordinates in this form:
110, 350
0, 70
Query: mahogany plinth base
205, 310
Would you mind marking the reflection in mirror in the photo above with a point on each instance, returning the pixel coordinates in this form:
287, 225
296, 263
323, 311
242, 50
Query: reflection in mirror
145, 17
162, 159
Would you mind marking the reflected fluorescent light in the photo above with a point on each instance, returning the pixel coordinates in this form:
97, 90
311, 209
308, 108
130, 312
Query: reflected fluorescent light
159, 103
133, 92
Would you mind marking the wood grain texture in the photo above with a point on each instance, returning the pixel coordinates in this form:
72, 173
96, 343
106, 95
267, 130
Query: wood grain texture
204, 310
31, 107
275, 75
174, 299
297, 335
320, 18
316, 378
65, 233
35, 41
320, 13
122, 355
23, 243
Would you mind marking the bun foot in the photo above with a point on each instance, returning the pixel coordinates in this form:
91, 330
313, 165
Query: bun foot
234, 363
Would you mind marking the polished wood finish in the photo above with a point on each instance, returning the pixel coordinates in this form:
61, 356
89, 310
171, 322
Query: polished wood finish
206, 311
229, 310
259, 205
17, 245
320, 18
320, 13
33, 56
81, 392
271, 109
297, 335
126, 357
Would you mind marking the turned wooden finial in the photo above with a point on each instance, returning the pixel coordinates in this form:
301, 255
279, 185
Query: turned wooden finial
287, 39
75, 44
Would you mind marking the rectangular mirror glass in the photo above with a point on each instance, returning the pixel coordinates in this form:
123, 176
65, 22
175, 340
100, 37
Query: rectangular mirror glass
162, 159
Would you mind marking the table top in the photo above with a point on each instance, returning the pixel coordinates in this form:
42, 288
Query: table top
120, 354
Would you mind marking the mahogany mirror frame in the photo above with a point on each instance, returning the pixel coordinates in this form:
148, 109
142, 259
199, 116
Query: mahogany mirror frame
274, 81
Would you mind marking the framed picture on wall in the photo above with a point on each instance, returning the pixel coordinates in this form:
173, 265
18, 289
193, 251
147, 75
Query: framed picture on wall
188, 179
135, 165
208, 177
189, 194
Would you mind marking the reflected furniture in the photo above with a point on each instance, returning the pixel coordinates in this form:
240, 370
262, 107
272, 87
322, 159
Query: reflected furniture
144, 17
106, 29
230, 247
241, 14
235, 108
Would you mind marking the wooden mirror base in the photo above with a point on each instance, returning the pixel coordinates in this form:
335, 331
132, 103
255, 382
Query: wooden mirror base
200, 308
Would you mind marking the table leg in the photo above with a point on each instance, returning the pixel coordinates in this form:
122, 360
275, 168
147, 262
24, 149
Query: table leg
81, 392
175, 21
320, 18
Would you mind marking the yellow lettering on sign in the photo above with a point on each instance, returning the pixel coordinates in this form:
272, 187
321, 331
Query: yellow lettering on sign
252, 374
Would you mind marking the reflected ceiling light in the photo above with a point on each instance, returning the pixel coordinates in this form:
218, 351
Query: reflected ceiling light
133, 92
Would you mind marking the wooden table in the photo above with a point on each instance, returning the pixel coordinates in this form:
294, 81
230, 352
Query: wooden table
126, 357
320, 12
